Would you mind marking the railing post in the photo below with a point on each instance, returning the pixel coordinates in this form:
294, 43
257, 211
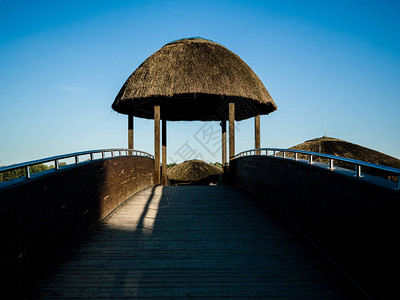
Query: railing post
76, 159
331, 167
274, 153
28, 172
284, 154
358, 171
295, 156
102, 155
56, 165
91, 156
112, 153
310, 159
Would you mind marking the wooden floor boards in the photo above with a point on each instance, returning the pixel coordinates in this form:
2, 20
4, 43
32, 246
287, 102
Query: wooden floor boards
195, 242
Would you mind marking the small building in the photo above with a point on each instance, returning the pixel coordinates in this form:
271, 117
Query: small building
193, 79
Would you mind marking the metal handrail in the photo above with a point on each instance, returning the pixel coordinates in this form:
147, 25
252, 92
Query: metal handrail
114, 153
357, 163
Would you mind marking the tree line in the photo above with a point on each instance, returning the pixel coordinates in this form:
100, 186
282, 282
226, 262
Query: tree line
8, 175
12, 174
217, 164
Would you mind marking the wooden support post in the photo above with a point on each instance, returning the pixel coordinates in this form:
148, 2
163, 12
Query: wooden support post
223, 136
156, 144
164, 152
130, 132
257, 133
231, 130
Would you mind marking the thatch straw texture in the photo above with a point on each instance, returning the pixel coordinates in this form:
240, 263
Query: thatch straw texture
333, 146
193, 172
194, 79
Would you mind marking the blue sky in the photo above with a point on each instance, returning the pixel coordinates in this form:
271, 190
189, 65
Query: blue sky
331, 66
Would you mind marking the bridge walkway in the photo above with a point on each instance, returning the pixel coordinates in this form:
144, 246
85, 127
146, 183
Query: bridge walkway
195, 242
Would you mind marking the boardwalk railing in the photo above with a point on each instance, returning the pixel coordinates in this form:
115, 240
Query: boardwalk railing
77, 155
278, 152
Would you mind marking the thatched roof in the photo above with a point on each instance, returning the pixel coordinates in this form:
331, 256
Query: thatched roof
194, 172
333, 146
193, 79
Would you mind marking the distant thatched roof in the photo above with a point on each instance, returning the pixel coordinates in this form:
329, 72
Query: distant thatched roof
193, 171
193, 79
333, 146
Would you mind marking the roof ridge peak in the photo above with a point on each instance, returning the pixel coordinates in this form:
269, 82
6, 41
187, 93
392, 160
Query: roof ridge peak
192, 39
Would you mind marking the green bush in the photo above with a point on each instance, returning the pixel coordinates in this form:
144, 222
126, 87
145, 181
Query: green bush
8, 175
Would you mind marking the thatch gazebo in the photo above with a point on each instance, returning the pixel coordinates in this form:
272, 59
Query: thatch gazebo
193, 79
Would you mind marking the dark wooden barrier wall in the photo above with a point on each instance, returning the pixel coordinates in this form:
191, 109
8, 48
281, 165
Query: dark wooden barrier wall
45, 217
355, 223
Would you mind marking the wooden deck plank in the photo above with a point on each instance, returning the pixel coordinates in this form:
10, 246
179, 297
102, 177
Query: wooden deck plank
195, 242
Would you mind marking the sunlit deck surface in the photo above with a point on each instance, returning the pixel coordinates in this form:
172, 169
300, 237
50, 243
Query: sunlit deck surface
195, 241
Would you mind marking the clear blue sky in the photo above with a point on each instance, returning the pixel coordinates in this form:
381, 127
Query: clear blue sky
331, 66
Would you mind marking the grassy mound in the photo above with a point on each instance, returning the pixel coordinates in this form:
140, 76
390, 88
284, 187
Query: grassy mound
195, 172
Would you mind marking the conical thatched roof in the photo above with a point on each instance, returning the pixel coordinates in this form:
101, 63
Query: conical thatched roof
194, 79
345, 149
193, 172
333, 146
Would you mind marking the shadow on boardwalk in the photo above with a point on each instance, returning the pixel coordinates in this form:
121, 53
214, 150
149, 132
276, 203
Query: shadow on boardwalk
195, 241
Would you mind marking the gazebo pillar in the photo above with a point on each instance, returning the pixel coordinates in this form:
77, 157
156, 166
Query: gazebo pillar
257, 143
164, 152
156, 144
130, 131
223, 137
231, 130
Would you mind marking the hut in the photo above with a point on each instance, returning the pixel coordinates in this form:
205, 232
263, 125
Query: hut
193, 79
194, 172
338, 147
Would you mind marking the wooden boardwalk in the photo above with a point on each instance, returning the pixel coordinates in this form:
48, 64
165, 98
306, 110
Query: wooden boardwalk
192, 242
